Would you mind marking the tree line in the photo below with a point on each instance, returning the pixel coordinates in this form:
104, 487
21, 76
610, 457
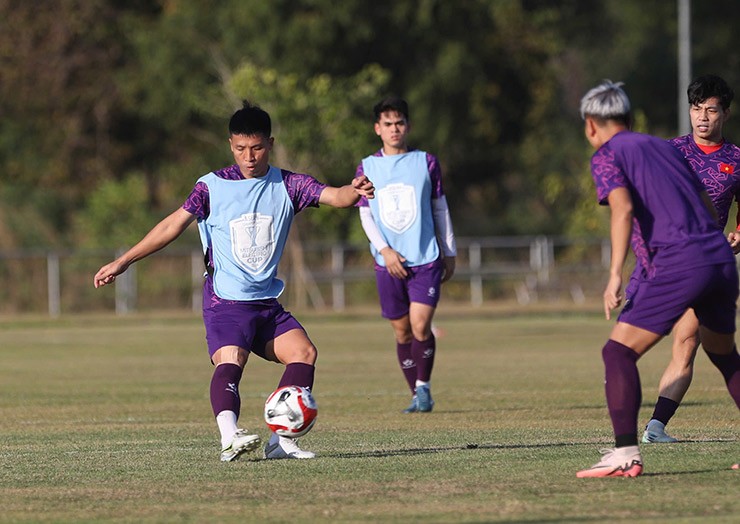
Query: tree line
110, 109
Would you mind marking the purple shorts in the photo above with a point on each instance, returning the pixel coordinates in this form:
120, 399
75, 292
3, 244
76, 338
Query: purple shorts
422, 285
249, 324
657, 303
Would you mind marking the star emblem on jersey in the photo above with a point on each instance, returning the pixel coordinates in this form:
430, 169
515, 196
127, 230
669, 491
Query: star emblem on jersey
727, 169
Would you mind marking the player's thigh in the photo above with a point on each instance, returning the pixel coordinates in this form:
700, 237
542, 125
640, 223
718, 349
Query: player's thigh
230, 355
638, 339
420, 317
291, 347
686, 337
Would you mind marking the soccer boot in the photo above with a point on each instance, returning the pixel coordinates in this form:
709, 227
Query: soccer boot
240, 443
413, 407
655, 432
616, 462
424, 398
285, 448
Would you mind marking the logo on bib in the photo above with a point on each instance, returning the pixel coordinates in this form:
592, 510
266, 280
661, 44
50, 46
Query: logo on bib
397, 206
252, 241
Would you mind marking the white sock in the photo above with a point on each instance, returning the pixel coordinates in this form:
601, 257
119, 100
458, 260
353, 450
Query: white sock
226, 421
421, 383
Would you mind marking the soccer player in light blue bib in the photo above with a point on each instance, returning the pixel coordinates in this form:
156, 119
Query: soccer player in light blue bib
244, 213
411, 238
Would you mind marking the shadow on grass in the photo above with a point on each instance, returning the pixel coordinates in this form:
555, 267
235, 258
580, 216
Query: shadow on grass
381, 453
420, 451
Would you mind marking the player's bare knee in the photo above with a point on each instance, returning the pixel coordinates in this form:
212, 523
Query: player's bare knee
422, 334
306, 354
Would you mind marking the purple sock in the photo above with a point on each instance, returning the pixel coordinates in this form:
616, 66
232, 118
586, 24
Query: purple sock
423, 354
298, 374
665, 408
729, 366
225, 389
408, 366
623, 390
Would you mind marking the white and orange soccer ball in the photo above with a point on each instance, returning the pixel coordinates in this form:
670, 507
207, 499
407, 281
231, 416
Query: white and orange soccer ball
290, 411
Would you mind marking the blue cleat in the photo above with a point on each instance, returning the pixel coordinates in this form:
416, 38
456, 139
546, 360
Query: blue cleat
413, 407
424, 399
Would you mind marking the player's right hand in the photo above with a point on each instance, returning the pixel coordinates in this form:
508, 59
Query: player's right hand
734, 239
394, 263
108, 273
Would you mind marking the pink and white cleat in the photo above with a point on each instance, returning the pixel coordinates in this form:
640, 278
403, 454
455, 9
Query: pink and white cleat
616, 462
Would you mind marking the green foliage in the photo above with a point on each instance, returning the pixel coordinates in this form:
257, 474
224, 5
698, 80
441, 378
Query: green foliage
323, 126
94, 90
117, 214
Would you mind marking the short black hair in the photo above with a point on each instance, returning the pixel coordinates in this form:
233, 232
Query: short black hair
708, 86
392, 103
250, 120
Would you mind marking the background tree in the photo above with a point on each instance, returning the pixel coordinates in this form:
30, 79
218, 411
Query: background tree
111, 110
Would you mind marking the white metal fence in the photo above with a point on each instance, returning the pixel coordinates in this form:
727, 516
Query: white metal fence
525, 269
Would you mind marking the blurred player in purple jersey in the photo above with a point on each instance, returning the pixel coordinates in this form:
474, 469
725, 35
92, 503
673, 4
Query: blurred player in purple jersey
244, 213
411, 238
659, 206
715, 161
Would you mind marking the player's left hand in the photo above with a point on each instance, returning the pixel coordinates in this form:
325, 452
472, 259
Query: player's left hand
363, 186
734, 239
449, 268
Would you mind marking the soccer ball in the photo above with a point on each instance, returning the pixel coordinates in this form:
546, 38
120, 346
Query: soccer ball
290, 411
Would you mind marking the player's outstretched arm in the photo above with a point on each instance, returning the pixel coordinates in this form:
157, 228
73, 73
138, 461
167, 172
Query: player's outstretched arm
162, 234
348, 195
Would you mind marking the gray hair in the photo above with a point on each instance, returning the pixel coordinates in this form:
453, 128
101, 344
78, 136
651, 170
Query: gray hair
606, 101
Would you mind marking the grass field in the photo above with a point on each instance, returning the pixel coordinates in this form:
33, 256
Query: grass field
105, 419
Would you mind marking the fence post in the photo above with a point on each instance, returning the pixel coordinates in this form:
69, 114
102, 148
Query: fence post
337, 281
126, 289
53, 286
476, 279
196, 276
540, 258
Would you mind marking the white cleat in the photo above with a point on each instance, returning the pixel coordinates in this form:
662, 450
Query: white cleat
241, 443
616, 462
655, 432
285, 448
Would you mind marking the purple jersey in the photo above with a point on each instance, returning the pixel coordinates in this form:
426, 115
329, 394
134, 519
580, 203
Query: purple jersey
303, 190
435, 174
718, 172
672, 228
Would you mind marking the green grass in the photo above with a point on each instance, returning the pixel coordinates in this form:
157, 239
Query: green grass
105, 419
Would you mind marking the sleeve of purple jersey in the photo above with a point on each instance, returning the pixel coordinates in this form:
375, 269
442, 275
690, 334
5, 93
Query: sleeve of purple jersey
607, 175
435, 174
304, 190
198, 203
363, 200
